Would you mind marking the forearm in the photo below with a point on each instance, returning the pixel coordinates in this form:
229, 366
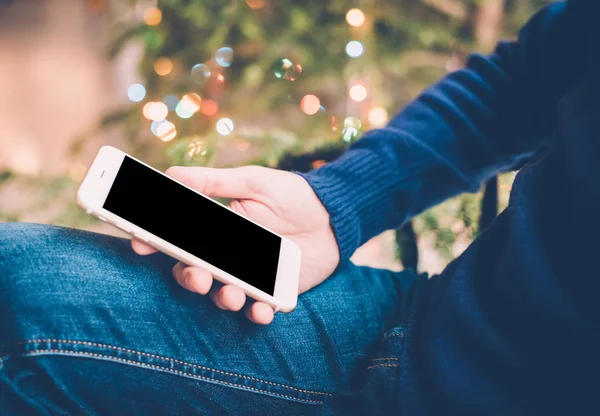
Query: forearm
474, 123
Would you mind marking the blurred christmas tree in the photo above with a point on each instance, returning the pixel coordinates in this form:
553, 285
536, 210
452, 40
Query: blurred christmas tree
293, 82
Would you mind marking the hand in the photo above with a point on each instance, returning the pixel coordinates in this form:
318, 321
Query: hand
281, 201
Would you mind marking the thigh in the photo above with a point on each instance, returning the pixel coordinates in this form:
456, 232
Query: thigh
87, 326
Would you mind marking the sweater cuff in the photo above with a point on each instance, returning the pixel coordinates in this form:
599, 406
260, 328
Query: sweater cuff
342, 216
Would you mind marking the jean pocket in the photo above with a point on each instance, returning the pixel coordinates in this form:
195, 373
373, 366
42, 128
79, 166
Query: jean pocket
390, 350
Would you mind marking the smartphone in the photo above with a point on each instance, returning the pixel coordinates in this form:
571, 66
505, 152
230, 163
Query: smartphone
191, 227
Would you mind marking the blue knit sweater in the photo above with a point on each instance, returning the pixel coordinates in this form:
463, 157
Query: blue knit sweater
511, 326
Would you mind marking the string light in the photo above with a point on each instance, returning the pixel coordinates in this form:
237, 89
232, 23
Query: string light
163, 66
310, 104
378, 117
221, 78
155, 111
152, 16
225, 126
358, 93
209, 108
355, 17
136, 92
354, 49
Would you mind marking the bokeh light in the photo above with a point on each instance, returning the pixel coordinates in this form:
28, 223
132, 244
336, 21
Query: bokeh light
163, 66
189, 104
358, 93
286, 69
355, 17
182, 111
171, 101
255, 4
354, 49
353, 122
155, 111
225, 126
166, 131
152, 16
378, 117
221, 78
209, 108
224, 56
155, 125
136, 92
200, 73
310, 104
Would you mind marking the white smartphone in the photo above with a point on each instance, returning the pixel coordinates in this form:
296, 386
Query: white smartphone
191, 227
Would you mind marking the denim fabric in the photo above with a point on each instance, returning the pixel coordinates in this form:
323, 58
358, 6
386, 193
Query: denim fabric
88, 327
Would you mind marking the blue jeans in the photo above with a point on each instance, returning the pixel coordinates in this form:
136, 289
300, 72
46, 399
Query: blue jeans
88, 327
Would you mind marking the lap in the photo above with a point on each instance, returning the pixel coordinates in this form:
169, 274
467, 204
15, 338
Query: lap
91, 322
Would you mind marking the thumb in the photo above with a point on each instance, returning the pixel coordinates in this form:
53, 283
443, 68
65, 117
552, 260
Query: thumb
234, 183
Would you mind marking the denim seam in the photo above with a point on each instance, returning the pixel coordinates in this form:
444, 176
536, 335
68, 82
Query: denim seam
130, 351
382, 365
156, 367
385, 359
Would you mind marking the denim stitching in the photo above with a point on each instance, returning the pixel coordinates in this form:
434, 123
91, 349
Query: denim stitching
385, 359
382, 365
93, 344
169, 370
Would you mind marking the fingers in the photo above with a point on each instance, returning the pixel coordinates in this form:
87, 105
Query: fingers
225, 183
228, 297
142, 248
260, 313
194, 279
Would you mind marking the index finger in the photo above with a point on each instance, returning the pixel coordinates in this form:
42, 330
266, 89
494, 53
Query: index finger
142, 248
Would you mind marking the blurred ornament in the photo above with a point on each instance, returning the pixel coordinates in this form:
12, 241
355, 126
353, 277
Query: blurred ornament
358, 93
255, 4
355, 17
171, 101
166, 131
152, 16
224, 56
352, 126
163, 66
378, 117
349, 134
318, 163
200, 73
224, 126
286, 69
136, 92
354, 49
221, 78
155, 111
209, 108
310, 104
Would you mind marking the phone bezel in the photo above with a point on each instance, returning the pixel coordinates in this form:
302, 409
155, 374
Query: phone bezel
94, 190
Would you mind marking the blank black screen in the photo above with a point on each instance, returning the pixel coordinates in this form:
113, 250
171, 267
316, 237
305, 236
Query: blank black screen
195, 224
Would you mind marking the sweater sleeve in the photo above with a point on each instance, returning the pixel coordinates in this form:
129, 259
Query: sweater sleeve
472, 124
